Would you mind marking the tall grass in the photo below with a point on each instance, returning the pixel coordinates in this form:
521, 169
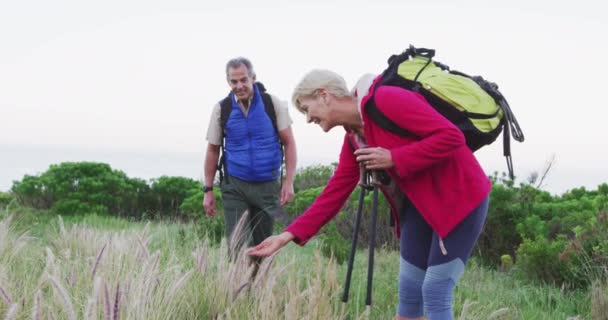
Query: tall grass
79, 270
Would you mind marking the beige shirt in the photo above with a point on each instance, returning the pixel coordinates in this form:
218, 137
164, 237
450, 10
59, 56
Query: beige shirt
214, 131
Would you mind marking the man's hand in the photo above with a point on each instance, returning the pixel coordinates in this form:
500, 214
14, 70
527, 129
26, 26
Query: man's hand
209, 204
286, 193
271, 245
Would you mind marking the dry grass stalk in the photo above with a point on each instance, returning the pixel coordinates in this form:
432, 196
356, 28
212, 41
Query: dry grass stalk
180, 283
465, 309
50, 261
5, 241
239, 268
62, 231
239, 234
37, 309
97, 260
142, 239
19, 244
263, 276
270, 288
6, 296
143, 246
108, 308
201, 258
90, 311
11, 314
294, 298
74, 277
116, 309
239, 290
64, 297
599, 300
498, 313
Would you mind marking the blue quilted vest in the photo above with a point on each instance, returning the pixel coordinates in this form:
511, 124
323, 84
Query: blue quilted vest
252, 149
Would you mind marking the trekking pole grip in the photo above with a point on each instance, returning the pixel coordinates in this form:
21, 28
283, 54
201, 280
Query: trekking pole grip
362, 175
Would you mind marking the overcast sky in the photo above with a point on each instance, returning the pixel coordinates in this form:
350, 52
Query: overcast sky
142, 76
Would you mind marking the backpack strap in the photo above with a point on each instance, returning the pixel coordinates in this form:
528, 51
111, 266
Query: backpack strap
269, 107
271, 112
383, 121
225, 110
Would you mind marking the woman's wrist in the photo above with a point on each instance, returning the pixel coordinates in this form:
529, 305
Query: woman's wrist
286, 236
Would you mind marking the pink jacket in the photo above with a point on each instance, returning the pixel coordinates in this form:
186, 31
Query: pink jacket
437, 171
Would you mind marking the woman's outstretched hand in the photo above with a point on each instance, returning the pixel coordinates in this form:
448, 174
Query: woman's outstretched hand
270, 245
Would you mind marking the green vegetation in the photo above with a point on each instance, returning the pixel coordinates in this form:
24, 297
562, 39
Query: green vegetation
97, 267
540, 255
5, 198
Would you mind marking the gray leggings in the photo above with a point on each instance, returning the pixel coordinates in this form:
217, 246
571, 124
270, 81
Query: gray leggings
427, 276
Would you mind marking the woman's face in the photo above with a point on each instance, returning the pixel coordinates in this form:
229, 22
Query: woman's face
317, 110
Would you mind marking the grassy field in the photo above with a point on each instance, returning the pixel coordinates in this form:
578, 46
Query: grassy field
108, 268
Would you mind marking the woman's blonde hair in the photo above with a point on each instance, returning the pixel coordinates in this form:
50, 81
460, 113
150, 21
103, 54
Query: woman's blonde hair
319, 79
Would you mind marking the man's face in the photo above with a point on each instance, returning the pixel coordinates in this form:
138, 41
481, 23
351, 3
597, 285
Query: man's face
240, 82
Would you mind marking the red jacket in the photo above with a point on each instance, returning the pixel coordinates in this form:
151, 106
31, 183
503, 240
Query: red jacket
437, 171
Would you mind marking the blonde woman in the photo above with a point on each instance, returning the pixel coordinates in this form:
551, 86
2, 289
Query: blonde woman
442, 192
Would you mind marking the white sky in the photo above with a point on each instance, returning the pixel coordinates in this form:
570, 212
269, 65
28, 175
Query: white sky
143, 75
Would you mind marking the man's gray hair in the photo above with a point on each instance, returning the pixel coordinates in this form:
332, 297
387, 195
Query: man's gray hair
240, 61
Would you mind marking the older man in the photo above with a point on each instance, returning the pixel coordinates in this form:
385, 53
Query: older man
251, 126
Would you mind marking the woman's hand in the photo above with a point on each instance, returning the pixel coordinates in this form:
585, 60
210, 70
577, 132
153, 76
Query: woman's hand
270, 245
375, 158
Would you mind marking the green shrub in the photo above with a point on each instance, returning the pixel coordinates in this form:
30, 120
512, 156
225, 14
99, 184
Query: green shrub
302, 200
67, 207
499, 236
80, 188
539, 259
212, 228
313, 176
5, 199
333, 244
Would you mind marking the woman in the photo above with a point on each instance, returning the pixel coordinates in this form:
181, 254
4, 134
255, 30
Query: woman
446, 189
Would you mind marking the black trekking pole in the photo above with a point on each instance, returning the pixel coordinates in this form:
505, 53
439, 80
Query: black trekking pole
372, 239
353, 247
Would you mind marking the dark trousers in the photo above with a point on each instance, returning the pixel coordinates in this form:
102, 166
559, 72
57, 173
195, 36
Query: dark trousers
261, 199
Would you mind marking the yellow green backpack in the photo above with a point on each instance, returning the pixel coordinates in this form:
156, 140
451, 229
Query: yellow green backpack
473, 104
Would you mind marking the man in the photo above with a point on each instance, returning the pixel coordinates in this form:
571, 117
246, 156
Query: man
252, 154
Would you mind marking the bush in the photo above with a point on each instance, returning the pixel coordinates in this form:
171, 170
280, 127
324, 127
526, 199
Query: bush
67, 207
302, 200
192, 206
212, 228
333, 244
170, 193
5, 199
539, 259
72, 188
81, 188
313, 177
